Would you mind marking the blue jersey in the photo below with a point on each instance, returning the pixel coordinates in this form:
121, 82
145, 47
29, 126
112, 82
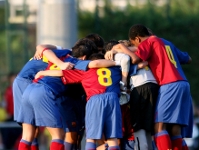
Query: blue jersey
163, 57
179, 57
33, 66
26, 76
55, 83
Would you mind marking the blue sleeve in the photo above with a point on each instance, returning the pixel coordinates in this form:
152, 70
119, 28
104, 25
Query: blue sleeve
133, 69
183, 57
82, 64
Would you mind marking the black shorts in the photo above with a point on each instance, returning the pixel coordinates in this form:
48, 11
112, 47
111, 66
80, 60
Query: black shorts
142, 104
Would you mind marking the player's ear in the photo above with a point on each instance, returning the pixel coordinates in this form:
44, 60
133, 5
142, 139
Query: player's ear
138, 39
84, 57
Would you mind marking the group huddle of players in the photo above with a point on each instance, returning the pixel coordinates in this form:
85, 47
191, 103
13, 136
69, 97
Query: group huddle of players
124, 94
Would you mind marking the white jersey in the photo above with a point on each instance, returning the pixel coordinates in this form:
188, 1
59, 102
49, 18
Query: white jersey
143, 76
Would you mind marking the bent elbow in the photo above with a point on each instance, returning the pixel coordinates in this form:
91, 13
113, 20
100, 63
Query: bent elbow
135, 61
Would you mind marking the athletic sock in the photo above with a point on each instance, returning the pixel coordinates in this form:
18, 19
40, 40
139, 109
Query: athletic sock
140, 140
57, 144
163, 141
90, 146
34, 144
184, 145
24, 145
113, 148
68, 146
176, 142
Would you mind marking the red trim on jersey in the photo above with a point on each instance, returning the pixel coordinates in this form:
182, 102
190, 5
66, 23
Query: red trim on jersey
48, 67
44, 50
36, 80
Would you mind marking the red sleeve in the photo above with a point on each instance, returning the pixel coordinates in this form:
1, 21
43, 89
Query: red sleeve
72, 76
145, 48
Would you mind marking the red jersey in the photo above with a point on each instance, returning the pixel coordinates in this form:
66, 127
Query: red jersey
164, 59
95, 81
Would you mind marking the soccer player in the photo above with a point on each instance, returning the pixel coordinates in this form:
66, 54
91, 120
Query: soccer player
174, 104
43, 109
102, 90
26, 76
98, 40
123, 58
144, 91
80, 101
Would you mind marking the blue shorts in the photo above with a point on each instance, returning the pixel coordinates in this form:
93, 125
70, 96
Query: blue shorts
40, 107
19, 86
174, 104
69, 115
103, 116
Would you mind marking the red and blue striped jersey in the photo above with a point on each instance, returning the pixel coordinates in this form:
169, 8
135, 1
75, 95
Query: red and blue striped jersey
164, 59
95, 81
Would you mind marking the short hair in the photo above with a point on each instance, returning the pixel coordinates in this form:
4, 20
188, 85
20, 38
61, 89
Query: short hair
109, 45
125, 42
138, 30
96, 56
84, 47
98, 40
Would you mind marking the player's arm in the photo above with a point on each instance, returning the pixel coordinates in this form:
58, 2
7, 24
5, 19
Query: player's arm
54, 73
123, 49
100, 63
46, 50
40, 48
129, 51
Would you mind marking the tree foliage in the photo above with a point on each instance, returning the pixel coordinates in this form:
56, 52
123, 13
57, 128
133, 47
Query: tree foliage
176, 21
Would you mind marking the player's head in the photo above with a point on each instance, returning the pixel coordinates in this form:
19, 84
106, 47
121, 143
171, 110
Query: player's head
136, 32
84, 48
109, 45
96, 56
125, 42
98, 40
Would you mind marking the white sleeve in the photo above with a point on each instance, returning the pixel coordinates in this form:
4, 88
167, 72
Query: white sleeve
124, 61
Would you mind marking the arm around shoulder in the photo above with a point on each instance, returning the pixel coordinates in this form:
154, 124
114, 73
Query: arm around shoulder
102, 63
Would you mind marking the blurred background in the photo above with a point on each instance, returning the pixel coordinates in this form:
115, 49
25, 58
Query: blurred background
26, 23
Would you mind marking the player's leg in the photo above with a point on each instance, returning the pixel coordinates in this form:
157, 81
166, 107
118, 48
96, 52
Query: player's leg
27, 136
70, 140
113, 144
112, 121
57, 135
140, 140
90, 144
101, 143
176, 138
35, 144
162, 138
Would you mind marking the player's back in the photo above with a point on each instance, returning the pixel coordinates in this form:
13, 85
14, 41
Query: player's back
55, 83
33, 66
163, 60
102, 80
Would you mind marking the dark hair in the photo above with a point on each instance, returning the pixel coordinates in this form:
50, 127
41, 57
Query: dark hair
125, 42
98, 40
138, 30
96, 56
109, 45
84, 47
